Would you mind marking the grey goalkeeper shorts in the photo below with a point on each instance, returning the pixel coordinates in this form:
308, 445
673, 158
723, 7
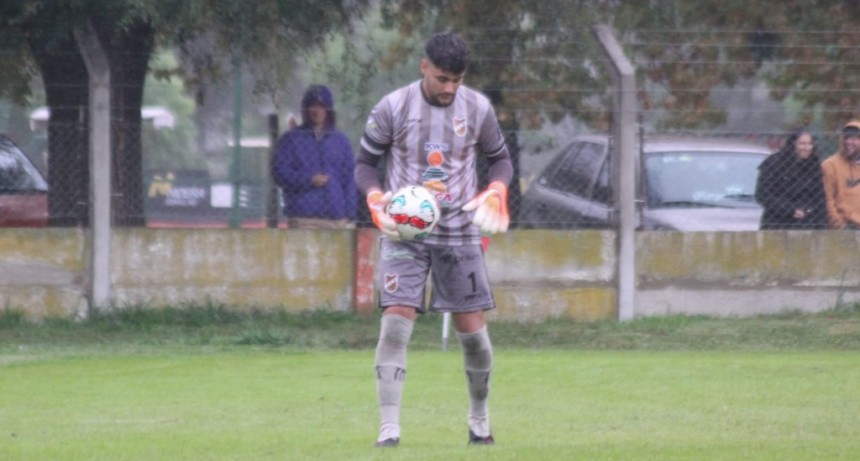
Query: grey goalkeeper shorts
459, 281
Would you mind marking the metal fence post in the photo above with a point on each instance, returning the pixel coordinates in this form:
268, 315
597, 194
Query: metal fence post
100, 165
236, 165
624, 173
272, 208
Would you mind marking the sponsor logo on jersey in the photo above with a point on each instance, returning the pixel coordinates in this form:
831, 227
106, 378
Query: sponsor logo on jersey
371, 123
436, 146
459, 126
391, 283
434, 177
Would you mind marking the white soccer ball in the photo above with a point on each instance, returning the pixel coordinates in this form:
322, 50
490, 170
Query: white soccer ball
415, 212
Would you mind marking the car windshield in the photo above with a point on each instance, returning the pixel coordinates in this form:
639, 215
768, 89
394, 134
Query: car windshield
702, 179
17, 174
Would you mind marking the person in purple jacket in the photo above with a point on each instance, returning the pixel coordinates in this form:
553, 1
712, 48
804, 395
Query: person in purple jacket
314, 165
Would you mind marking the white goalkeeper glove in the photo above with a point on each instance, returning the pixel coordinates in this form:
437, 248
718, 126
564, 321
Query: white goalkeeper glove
492, 209
376, 203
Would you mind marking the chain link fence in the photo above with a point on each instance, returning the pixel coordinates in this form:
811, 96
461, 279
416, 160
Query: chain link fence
202, 179
149, 188
201, 197
688, 181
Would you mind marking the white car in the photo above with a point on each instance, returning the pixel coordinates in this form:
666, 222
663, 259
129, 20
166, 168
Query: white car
686, 184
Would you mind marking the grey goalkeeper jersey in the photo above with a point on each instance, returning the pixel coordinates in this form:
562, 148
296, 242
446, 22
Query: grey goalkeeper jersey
436, 147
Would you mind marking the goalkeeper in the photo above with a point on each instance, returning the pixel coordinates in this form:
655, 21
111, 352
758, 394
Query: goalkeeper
430, 133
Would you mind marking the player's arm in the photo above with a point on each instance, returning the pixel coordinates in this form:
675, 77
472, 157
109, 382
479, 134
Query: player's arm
366, 175
347, 172
367, 181
491, 205
376, 142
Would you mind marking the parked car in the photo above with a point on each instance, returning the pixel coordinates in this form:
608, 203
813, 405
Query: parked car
23, 190
686, 184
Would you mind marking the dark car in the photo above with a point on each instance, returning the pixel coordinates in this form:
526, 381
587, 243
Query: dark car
687, 184
23, 190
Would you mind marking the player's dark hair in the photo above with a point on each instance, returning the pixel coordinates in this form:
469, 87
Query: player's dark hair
448, 51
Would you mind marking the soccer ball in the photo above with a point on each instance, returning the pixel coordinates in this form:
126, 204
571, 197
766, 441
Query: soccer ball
415, 212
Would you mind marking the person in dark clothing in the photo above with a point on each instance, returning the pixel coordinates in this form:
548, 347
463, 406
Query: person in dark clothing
790, 186
314, 165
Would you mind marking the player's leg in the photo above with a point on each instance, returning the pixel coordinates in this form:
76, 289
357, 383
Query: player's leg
390, 361
461, 286
478, 364
403, 272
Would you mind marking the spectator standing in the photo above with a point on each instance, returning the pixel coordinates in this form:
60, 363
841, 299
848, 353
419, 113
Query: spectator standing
790, 186
842, 180
314, 166
430, 132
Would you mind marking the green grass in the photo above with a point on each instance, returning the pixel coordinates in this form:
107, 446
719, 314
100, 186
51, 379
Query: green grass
207, 383
217, 326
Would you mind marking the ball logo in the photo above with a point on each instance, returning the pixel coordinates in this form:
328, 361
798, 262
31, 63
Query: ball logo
414, 211
414, 221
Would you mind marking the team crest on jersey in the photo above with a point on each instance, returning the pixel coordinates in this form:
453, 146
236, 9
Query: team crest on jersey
371, 123
459, 126
391, 283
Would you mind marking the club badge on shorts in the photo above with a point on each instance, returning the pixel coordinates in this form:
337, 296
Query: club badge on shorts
391, 283
459, 126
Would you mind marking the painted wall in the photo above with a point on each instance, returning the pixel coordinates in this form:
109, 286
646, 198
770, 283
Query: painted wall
536, 274
42, 271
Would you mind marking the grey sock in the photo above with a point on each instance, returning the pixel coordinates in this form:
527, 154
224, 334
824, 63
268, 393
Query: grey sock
390, 362
478, 363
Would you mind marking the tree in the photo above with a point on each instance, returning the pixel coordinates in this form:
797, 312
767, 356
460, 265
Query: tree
817, 57
539, 55
129, 30
169, 148
54, 50
542, 57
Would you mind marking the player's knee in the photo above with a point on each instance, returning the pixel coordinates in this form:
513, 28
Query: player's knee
475, 342
395, 331
407, 312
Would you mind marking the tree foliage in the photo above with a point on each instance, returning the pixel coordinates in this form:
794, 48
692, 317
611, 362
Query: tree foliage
42, 32
818, 57
544, 59
539, 56
539, 59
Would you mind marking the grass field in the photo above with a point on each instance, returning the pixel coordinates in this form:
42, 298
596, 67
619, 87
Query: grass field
209, 384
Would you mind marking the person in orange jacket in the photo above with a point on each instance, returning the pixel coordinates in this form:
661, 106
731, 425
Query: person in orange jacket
842, 180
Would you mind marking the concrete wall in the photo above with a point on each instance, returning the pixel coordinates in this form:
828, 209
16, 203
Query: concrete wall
746, 273
536, 274
261, 268
42, 271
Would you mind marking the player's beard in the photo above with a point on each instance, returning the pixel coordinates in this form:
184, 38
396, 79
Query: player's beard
437, 99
